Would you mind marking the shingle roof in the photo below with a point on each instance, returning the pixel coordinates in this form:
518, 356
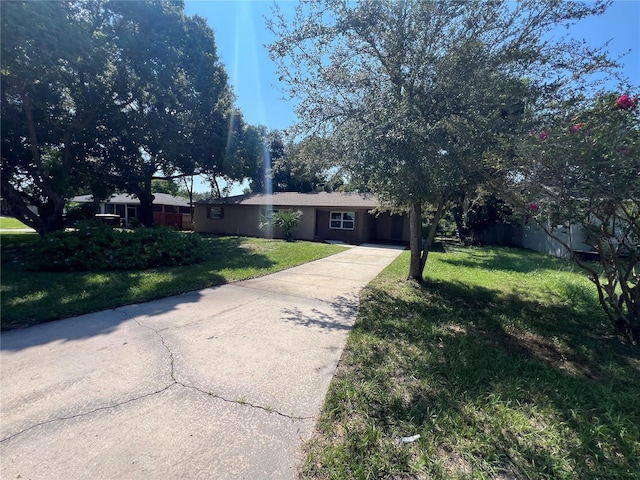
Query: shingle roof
160, 199
292, 199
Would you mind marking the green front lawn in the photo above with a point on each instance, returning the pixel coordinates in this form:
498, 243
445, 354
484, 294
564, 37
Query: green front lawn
11, 223
502, 362
34, 297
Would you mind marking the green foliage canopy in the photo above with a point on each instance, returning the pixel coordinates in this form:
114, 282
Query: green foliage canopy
98, 96
415, 92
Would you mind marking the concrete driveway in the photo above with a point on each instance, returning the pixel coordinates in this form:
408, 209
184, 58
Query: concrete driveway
219, 383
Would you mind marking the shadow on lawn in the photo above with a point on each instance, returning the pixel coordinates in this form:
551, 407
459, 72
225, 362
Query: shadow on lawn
469, 356
234, 253
30, 298
502, 258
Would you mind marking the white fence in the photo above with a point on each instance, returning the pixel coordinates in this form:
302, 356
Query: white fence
534, 238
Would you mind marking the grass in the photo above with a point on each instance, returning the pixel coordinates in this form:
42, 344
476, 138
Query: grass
7, 223
502, 362
30, 297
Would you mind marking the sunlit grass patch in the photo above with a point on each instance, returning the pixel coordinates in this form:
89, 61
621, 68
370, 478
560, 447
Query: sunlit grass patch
11, 223
33, 297
502, 362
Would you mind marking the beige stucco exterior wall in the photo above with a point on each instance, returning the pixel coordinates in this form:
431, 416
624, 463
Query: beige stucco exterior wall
365, 224
236, 221
364, 229
245, 220
306, 227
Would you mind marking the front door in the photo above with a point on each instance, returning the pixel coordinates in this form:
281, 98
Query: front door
132, 212
322, 225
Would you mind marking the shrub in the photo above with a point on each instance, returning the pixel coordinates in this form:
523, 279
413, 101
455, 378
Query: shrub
287, 220
96, 246
79, 211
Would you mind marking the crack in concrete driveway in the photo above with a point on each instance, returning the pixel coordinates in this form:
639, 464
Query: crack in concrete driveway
127, 393
207, 392
174, 381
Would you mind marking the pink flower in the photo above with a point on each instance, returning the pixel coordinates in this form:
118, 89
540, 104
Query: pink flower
625, 102
577, 127
544, 135
534, 207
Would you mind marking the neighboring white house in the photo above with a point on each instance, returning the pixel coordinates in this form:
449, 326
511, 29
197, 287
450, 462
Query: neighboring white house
167, 209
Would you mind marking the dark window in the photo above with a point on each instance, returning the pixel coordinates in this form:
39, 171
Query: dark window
267, 213
120, 210
216, 213
132, 211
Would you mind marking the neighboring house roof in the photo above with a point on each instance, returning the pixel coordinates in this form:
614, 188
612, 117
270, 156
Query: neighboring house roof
293, 199
160, 199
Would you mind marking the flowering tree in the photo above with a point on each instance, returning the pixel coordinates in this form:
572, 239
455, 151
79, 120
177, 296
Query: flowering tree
585, 170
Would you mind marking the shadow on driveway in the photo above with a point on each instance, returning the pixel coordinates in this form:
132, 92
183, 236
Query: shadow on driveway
91, 324
343, 309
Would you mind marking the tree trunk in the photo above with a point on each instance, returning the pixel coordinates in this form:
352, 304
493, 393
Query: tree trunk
146, 209
143, 192
49, 217
459, 212
52, 213
415, 228
189, 186
215, 187
432, 234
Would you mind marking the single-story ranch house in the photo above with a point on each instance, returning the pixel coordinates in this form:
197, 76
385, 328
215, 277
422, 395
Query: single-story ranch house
339, 216
167, 209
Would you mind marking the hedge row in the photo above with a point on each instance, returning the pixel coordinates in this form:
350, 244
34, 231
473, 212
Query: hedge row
94, 246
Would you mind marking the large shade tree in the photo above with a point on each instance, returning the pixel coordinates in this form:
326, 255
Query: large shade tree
273, 149
51, 98
99, 96
415, 92
244, 155
171, 105
309, 165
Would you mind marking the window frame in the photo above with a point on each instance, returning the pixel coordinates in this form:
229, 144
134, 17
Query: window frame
213, 208
267, 213
343, 220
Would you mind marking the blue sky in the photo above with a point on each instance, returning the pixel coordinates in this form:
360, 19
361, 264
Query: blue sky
241, 36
